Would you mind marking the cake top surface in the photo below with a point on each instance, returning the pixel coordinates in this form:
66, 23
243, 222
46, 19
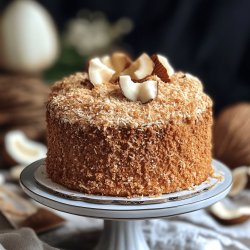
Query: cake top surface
76, 100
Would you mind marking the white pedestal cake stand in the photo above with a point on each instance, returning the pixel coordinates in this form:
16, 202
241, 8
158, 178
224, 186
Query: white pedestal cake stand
122, 228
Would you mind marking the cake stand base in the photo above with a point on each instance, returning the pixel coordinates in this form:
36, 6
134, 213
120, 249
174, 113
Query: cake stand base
122, 235
122, 225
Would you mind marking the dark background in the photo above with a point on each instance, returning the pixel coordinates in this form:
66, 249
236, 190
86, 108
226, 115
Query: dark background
210, 39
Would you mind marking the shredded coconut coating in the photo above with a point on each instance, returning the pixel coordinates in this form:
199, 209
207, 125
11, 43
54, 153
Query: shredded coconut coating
74, 100
101, 143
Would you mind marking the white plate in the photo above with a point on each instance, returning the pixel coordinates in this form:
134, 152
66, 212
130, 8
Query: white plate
43, 179
111, 208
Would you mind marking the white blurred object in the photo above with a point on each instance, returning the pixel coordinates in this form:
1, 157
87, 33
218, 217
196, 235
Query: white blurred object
2, 179
240, 179
16, 171
229, 213
91, 33
29, 41
22, 150
226, 210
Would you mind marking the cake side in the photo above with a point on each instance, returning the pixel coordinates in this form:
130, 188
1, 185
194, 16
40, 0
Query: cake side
130, 161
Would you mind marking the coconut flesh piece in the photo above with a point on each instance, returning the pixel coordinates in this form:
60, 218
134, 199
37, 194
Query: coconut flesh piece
134, 91
117, 61
2, 179
23, 150
16, 171
225, 211
165, 63
98, 72
240, 179
142, 67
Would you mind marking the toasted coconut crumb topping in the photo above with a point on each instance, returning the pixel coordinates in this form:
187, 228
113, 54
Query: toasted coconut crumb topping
75, 100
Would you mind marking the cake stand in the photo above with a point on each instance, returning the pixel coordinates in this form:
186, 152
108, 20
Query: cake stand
122, 216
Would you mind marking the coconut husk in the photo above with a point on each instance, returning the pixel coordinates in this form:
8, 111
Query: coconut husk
22, 106
232, 135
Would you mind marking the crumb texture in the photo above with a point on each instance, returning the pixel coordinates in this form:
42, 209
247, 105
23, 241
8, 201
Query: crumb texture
101, 143
74, 100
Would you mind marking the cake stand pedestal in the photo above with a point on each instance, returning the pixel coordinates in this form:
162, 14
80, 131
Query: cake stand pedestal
122, 216
122, 235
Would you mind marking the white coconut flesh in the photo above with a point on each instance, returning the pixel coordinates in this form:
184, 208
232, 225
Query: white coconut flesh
23, 150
